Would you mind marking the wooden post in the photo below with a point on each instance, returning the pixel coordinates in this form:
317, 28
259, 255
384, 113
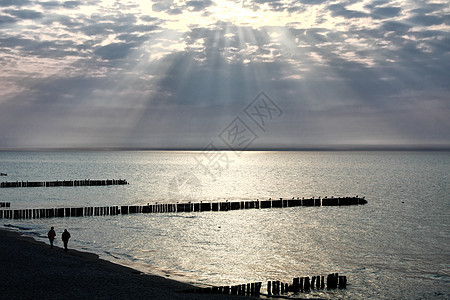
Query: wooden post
277, 203
295, 285
277, 287
307, 284
235, 205
332, 280
234, 290
258, 288
266, 204
342, 282
317, 202
269, 291
308, 202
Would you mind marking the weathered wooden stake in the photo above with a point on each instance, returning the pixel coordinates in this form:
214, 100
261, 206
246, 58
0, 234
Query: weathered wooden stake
307, 284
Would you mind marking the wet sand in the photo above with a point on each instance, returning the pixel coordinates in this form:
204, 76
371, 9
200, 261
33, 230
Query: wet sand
31, 270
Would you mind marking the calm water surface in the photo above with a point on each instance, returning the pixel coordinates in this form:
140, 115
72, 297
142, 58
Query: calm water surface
395, 247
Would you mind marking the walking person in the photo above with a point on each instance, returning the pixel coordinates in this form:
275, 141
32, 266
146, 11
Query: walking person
51, 236
65, 238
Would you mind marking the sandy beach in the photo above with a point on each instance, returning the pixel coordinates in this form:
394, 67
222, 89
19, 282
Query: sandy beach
32, 270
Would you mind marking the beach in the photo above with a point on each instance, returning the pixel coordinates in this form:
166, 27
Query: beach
32, 270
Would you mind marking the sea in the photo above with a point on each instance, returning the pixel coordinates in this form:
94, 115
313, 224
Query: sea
397, 246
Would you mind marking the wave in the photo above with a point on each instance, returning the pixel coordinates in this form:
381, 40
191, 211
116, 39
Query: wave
19, 227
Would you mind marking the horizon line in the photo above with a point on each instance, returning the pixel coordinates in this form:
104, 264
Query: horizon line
387, 147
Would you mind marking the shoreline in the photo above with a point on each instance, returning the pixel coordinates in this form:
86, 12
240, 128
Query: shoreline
31, 269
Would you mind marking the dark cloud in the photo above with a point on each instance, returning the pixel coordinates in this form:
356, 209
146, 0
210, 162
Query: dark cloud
375, 4
49, 49
16, 3
426, 20
132, 38
166, 6
386, 12
171, 8
71, 4
398, 27
98, 25
149, 19
69, 22
13, 42
312, 2
6, 20
25, 14
340, 10
50, 4
428, 7
114, 51
197, 5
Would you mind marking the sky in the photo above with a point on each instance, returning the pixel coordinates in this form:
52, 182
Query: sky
232, 74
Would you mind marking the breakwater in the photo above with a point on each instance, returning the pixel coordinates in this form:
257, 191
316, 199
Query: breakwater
35, 213
277, 287
84, 182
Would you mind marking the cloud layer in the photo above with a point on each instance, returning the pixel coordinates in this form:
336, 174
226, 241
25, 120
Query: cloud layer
168, 74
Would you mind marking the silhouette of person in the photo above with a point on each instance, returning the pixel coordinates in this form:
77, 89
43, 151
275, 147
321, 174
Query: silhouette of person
65, 238
51, 236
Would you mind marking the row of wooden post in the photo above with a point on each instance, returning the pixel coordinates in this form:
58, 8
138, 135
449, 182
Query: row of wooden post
304, 284
299, 284
170, 208
58, 212
249, 289
5, 204
85, 182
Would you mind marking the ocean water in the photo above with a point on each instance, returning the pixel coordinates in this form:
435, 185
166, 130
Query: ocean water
394, 247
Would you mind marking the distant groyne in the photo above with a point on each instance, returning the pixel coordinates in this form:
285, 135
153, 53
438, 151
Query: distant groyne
276, 287
84, 182
35, 213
